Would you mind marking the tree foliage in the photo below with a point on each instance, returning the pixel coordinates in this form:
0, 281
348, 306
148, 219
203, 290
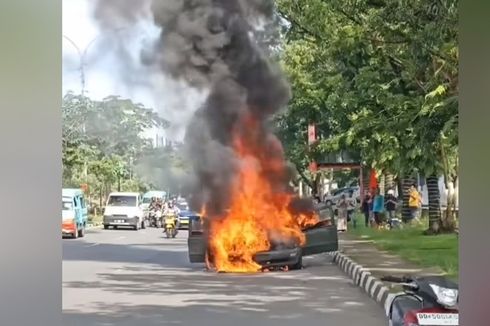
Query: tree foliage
103, 141
378, 77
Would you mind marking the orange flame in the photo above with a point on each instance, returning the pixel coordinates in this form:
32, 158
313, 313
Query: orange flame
257, 210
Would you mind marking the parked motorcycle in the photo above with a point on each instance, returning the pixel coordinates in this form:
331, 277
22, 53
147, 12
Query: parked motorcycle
170, 225
394, 223
428, 301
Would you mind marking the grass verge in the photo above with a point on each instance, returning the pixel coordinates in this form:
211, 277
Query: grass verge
411, 244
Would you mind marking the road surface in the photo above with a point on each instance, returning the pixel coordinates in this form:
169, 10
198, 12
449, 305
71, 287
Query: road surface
139, 278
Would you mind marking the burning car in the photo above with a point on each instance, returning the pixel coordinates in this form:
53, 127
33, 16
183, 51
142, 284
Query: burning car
320, 237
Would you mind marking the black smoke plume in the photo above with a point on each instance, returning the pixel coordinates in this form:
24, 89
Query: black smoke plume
210, 44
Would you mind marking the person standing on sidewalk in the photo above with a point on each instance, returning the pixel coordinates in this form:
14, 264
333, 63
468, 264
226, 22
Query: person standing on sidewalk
342, 206
351, 206
365, 207
378, 207
391, 204
414, 202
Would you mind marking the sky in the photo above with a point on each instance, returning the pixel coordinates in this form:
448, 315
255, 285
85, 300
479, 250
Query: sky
105, 72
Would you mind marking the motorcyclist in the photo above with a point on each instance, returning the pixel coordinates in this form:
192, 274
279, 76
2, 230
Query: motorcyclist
159, 204
171, 209
152, 208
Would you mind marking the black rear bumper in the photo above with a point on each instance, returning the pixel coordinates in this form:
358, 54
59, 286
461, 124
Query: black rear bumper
278, 258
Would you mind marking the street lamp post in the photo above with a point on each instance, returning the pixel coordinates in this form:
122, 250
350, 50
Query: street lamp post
82, 55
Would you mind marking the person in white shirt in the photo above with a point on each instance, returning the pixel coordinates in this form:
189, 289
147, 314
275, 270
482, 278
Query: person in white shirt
351, 206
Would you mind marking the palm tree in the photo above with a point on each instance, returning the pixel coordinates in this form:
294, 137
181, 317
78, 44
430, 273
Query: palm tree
434, 205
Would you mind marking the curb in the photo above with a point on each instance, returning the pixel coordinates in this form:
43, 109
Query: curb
362, 278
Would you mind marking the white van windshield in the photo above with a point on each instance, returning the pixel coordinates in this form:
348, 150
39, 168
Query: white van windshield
122, 201
146, 200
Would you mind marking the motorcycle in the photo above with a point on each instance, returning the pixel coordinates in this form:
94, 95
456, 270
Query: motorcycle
170, 225
428, 301
394, 223
155, 216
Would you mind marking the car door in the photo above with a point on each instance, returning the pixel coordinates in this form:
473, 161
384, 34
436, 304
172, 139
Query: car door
322, 237
83, 209
77, 209
196, 242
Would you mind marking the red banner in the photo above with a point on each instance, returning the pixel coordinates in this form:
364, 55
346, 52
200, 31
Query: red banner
311, 134
313, 167
373, 181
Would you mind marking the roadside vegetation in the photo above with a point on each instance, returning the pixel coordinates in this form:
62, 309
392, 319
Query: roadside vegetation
411, 244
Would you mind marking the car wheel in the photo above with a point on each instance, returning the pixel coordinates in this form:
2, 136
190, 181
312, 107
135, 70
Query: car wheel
75, 234
298, 265
106, 227
81, 232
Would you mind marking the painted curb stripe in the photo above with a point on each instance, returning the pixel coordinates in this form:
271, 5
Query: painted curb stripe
364, 279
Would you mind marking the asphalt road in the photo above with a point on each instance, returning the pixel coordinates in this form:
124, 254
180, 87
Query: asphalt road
138, 278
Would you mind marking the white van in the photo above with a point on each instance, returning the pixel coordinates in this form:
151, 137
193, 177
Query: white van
123, 209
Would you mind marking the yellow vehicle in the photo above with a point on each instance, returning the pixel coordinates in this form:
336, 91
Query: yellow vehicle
170, 225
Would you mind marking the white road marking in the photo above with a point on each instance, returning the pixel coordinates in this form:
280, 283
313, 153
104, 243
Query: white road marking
92, 245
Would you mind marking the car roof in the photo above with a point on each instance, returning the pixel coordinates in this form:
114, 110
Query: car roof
71, 192
124, 194
154, 193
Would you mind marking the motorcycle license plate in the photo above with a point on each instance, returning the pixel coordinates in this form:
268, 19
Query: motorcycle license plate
438, 319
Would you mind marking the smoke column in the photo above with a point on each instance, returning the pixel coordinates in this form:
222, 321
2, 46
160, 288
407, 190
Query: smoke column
210, 45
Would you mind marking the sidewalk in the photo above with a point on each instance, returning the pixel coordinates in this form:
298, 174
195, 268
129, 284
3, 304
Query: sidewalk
366, 264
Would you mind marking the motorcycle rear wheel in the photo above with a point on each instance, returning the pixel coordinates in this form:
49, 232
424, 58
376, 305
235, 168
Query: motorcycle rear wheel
168, 233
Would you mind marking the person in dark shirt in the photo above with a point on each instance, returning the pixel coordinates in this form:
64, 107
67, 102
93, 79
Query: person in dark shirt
366, 207
390, 203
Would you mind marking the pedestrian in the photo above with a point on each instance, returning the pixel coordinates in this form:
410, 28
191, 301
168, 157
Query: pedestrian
351, 206
331, 212
391, 204
414, 202
378, 207
365, 207
317, 200
342, 206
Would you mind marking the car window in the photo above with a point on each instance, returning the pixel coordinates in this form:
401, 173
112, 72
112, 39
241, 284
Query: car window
324, 214
182, 206
82, 202
122, 201
338, 191
67, 205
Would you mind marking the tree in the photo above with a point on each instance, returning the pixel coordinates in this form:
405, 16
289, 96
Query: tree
381, 76
101, 139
